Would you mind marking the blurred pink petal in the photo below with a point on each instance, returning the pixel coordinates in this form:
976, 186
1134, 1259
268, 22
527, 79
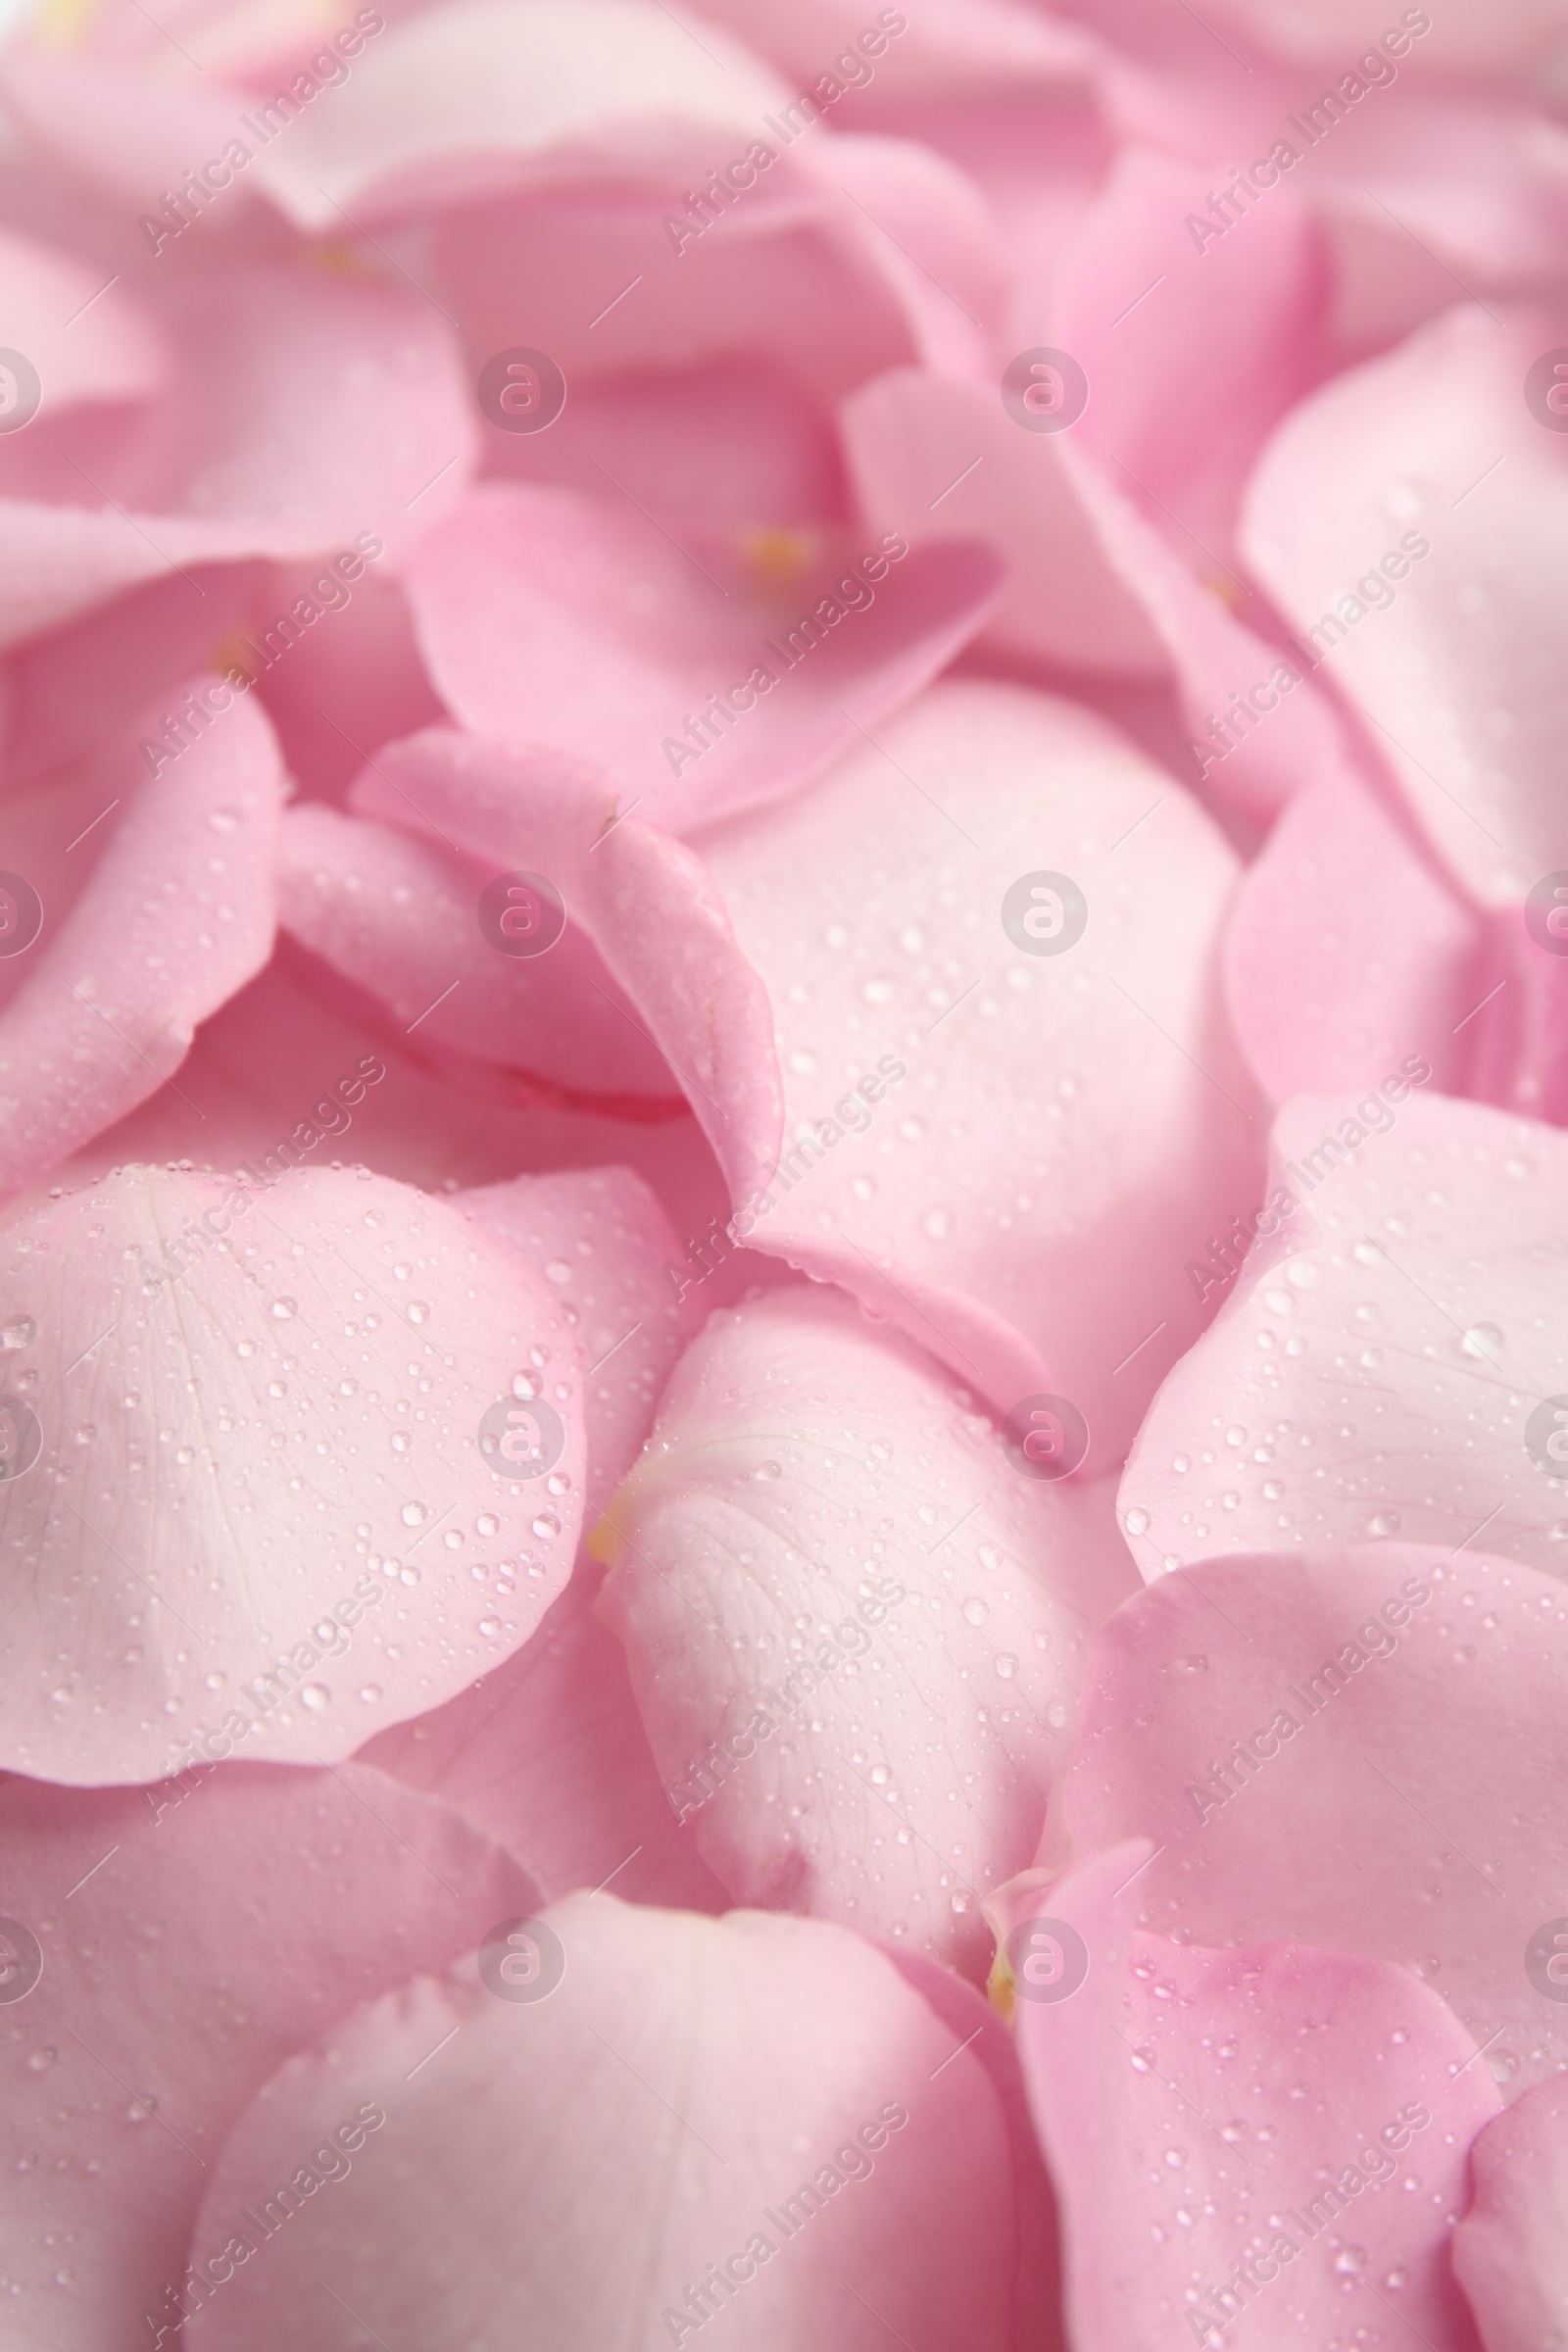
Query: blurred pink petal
548, 617
1406, 521
823, 1554
1347, 949
1511, 2252
306, 416
265, 1512
652, 2115
1233, 2134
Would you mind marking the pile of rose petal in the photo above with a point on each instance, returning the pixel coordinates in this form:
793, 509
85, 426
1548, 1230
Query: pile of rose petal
784, 1247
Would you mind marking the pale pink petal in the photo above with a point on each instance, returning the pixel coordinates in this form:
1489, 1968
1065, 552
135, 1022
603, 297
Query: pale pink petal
1146, 307
548, 1755
400, 918
1354, 1747
1407, 518
1031, 1233
1471, 36
585, 2159
178, 1532
543, 811
947, 454
88, 342
1383, 1364
602, 1246
194, 1936
1511, 2252
1250, 2147
177, 916
943, 51
1347, 949
549, 618
853, 1626
486, 94
307, 416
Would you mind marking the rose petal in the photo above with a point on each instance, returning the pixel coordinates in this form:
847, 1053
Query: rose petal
1242, 1712
911, 1029
1203, 2111
548, 617
729, 2062
157, 2017
823, 1554
1509, 2252
227, 1433
177, 916
1384, 1377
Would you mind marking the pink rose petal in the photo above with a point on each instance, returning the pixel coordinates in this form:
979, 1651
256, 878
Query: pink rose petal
238, 1440
550, 618
1510, 2252
1391, 1371
1353, 1748
824, 1553
1234, 2136
716, 2065
157, 2017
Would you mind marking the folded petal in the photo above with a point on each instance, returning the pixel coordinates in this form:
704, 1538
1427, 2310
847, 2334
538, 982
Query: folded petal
549, 618
541, 812
684, 2094
402, 917
176, 917
1387, 1362
1510, 2252
1271, 2139
157, 2019
830, 1576
231, 1405
1355, 1749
